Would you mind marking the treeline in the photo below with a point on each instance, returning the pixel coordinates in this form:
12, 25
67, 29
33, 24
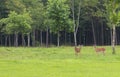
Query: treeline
59, 22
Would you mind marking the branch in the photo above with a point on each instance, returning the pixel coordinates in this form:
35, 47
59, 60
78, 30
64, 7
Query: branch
78, 16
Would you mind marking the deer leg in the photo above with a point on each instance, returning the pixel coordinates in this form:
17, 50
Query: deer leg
103, 53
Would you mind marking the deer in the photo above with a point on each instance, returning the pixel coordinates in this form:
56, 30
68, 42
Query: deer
77, 50
100, 50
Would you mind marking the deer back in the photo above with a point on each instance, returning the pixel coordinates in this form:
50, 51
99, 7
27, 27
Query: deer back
77, 49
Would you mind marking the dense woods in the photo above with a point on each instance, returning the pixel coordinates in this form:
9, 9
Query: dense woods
59, 22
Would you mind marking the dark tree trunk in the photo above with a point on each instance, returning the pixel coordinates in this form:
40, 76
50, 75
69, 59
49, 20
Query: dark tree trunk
23, 41
102, 33
50, 38
33, 38
113, 40
13, 40
41, 37
1, 39
16, 39
93, 33
70, 40
47, 37
37, 38
65, 38
6, 37
9, 40
80, 34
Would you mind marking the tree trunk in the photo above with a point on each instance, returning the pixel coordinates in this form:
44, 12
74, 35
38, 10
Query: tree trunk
28, 37
116, 40
23, 41
65, 37
102, 33
1, 39
58, 39
37, 35
50, 38
111, 35
16, 39
6, 40
69, 39
78, 18
33, 38
93, 33
9, 40
47, 37
80, 34
113, 40
41, 37
75, 39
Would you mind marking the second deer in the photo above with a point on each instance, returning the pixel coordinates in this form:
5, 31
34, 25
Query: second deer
100, 50
77, 50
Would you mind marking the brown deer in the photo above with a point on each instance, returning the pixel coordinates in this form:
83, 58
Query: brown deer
100, 50
77, 50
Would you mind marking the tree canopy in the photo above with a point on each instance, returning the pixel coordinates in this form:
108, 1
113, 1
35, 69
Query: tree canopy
59, 22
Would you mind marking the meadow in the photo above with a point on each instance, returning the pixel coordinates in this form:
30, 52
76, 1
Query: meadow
58, 62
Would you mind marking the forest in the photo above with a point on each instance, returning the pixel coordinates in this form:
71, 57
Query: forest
59, 22
59, 38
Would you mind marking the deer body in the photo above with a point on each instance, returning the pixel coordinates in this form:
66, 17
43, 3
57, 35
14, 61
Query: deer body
98, 50
77, 50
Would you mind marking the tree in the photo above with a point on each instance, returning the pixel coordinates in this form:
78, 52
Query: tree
99, 14
58, 12
3, 9
17, 23
89, 9
75, 21
15, 5
77, 8
36, 9
25, 26
113, 18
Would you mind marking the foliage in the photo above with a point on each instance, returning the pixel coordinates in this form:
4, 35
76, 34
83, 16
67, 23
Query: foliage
19, 23
58, 12
37, 11
112, 13
15, 5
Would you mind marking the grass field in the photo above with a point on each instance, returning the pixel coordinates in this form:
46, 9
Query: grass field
58, 62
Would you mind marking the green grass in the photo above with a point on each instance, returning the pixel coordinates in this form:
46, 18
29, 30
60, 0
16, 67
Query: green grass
58, 62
